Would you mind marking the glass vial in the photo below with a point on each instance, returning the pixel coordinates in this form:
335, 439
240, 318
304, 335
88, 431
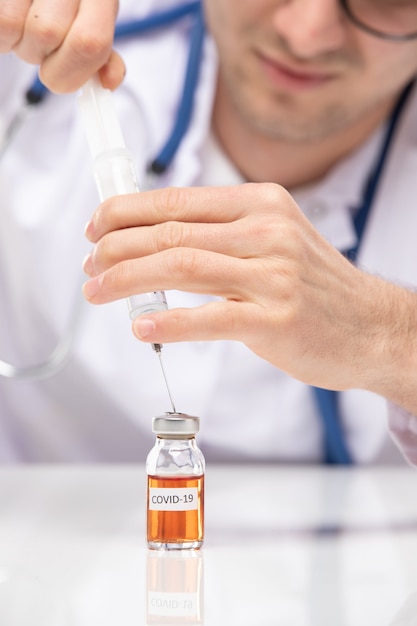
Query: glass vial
175, 470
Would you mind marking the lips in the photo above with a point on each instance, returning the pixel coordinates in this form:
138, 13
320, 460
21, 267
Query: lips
290, 77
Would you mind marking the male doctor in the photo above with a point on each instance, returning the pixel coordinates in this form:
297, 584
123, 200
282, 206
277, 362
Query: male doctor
316, 98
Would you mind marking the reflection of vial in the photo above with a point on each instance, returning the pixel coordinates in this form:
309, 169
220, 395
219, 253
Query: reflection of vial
175, 468
174, 587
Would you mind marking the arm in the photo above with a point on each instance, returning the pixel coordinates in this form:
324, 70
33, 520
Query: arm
69, 39
285, 291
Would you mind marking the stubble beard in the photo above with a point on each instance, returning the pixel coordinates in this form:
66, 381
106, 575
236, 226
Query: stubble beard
285, 118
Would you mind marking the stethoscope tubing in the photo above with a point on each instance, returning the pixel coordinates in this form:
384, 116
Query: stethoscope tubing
328, 401
125, 29
37, 91
36, 94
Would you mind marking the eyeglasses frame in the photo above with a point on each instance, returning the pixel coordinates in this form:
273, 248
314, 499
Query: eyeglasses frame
372, 31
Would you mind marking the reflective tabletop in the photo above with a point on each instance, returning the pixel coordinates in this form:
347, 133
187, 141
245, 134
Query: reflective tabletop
290, 546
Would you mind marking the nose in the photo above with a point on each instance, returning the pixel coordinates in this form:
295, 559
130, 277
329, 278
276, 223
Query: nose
310, 27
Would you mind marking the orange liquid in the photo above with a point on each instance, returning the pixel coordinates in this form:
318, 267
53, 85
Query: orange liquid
176, 526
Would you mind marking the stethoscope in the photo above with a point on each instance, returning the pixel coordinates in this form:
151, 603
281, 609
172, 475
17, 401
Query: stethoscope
335, 447
37, 93
327, 401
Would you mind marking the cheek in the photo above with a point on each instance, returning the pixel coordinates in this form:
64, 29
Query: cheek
217, 16
390, 64
224, 23
230, 19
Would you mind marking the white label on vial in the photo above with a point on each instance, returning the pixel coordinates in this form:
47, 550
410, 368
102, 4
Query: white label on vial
173, 499
172, 604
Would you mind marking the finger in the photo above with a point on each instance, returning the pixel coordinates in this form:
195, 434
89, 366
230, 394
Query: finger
190, 270
47, 24
113, 72
259, 330
209, 322
12, 22
198, 204
86, 48
132, 243
245, 238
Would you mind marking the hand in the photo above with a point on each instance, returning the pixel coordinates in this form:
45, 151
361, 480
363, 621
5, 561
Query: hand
286, 292
70, 40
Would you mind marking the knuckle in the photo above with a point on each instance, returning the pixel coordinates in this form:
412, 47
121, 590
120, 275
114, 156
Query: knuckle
264, 228
47, 33
272, 194
290, 239
87, 45
169, 236
268, 197
275, 233
170, 200
184, 263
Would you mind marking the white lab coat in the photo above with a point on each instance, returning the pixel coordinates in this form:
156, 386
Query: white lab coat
99, 406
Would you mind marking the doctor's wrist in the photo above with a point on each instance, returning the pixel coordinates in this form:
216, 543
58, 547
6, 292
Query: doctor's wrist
393, 372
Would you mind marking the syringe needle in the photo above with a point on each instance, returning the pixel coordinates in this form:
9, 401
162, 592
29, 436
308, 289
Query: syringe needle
158, 349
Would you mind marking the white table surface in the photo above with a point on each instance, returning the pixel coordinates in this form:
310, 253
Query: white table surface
290, 546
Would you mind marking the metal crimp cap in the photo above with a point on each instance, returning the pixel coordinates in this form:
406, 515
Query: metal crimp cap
175, 424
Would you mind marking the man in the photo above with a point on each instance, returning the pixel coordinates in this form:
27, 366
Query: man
300, 96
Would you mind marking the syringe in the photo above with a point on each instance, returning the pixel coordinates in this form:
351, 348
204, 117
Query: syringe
115, 175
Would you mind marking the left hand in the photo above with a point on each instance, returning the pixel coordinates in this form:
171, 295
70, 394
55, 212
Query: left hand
70, 40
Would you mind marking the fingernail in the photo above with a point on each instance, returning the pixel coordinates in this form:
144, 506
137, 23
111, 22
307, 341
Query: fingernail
92, 286
88, 264
143, 327
89, 230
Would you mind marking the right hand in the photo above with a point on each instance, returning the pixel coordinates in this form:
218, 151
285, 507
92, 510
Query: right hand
70, 40
283, 290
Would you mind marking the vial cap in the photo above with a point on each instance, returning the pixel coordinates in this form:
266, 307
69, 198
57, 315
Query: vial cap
175, 424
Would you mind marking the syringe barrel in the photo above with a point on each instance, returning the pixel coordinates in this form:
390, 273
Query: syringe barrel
113, 167
146, 303
114, 174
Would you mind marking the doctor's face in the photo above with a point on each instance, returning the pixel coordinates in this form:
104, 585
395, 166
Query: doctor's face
300, 70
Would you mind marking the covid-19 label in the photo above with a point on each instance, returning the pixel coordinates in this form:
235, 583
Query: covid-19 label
173, 499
